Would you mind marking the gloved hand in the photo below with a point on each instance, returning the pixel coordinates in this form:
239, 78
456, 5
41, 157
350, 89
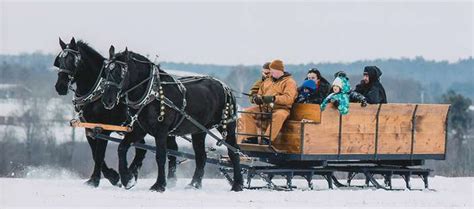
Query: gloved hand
257, 99
268, 99
300, 99
363, 103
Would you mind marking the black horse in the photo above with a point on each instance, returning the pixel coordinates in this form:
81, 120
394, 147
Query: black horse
82, 65
204, 99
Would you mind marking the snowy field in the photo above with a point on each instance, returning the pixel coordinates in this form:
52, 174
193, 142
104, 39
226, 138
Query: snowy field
67, 191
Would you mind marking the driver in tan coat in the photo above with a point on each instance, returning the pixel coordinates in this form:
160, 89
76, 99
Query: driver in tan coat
276, 95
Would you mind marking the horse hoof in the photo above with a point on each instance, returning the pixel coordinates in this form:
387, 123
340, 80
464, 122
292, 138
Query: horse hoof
194, 185
113, 177
131, 183
171, 182
157, 188
92, 182
237, 188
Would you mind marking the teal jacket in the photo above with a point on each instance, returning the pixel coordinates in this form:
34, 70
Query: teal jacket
342, 97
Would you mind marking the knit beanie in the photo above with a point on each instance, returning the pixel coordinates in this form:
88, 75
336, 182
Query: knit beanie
337, 82
277, 65
310, 84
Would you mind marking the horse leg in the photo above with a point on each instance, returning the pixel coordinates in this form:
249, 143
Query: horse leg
98, 148
138, 160
172, 145
160, 141
200, 157
109, 173
234, 157
94, 180
125, 175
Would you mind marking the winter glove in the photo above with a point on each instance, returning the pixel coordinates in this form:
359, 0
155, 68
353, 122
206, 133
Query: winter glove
363, 103
257, 99
268, 99
300, 99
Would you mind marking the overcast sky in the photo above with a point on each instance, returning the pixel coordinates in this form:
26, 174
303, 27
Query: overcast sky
245, 32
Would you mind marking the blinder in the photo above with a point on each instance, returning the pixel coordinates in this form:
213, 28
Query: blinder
61, 59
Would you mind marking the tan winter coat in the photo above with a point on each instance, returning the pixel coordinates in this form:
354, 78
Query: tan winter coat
284, 90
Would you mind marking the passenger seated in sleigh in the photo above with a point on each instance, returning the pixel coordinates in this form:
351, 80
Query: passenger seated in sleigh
276, 95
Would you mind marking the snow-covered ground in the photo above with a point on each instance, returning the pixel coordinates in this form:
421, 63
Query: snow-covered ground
63, 190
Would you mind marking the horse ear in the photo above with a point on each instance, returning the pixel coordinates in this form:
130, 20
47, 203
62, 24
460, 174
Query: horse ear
62, 44
127, 54
72, 44
111, 51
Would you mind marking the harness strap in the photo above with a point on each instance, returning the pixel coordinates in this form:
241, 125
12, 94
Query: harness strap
151, 92
170, 104
94, 94
181, 88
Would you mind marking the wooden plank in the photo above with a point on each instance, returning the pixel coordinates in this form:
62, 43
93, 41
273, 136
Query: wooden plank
305, 111
322, 138
240, 126
255, 147
358, 130
430, 129
290, 137
395, 124
77, 123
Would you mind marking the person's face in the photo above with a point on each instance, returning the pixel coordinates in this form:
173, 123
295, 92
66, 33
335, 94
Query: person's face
266, 72
366, 78
306, 90
336, 89
312, 76
276, 73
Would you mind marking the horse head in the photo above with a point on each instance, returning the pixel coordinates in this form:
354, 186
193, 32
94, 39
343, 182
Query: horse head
116, 71
67, 62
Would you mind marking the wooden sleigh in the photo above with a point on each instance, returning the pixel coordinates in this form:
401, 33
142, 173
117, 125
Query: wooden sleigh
375, 132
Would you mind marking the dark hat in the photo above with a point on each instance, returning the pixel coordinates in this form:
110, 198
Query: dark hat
266, 65
373, 72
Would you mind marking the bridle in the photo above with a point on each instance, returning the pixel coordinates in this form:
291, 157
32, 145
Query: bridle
109, 66
77, 59
95, 91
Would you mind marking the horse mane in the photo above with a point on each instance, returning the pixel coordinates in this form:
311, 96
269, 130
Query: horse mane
139, 56
92, 53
